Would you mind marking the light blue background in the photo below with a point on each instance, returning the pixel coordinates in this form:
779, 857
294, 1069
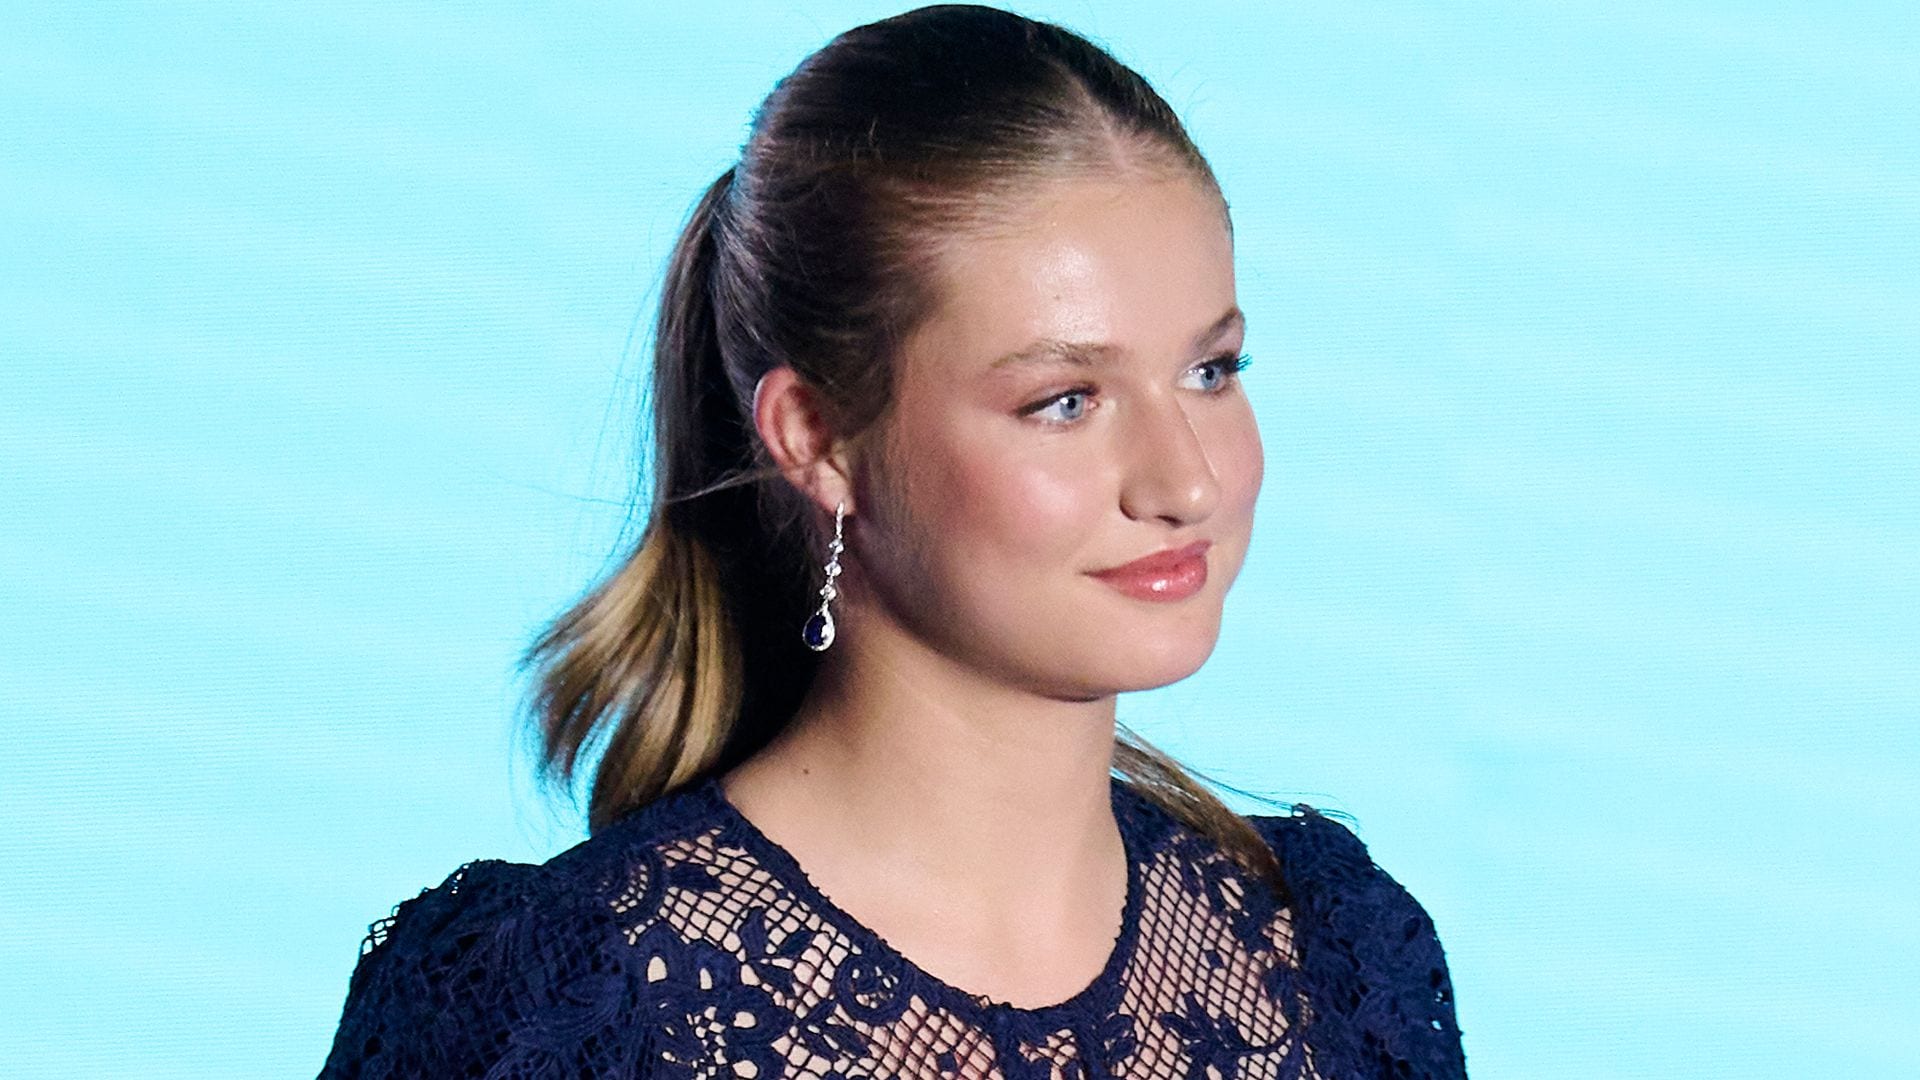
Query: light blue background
1587, 573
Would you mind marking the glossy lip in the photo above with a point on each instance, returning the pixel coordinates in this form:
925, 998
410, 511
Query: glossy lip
1174, 574
1170, 559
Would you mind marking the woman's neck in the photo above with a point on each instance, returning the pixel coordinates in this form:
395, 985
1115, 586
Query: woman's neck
919, 785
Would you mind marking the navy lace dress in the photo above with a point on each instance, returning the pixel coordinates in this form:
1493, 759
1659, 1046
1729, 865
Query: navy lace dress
683, 942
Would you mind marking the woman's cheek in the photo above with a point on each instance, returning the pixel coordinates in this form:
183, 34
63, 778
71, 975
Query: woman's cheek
1257, 474
1244, 464
1019, 503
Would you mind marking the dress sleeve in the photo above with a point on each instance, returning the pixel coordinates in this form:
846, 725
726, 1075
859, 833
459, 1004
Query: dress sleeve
484, 975
1369, 955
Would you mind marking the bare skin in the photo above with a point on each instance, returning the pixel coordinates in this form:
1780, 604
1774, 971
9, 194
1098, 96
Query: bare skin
946, 780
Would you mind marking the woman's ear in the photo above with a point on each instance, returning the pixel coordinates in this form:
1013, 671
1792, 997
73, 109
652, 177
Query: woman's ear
792, 419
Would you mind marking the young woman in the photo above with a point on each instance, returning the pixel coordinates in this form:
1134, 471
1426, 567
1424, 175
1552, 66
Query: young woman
950, 450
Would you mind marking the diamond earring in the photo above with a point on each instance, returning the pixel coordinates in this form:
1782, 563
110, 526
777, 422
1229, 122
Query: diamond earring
818, 633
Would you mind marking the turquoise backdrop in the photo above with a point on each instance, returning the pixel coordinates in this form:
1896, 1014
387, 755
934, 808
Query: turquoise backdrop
1586, 346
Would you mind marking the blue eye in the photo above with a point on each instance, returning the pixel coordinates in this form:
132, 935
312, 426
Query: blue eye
1072, 406
1226, 369
1227, 366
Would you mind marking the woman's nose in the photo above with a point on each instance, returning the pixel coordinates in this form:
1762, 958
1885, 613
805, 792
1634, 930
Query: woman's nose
1168, 474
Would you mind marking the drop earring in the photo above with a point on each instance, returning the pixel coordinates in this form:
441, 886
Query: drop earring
818, 633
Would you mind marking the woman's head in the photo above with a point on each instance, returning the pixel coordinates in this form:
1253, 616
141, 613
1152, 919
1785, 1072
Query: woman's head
1067, 404
925, 196
920, 198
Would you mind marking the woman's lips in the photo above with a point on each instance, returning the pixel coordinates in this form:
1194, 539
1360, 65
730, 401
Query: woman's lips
1164, 575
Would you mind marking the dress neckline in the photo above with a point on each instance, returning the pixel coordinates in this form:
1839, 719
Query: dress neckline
1101, 992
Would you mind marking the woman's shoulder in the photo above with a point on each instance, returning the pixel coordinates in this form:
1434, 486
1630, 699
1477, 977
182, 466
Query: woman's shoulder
490, 897
480, 892
1320, 849
513, 962
1330, 867
1368, 947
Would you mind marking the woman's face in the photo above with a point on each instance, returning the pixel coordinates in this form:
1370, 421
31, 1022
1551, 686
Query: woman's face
1072, 406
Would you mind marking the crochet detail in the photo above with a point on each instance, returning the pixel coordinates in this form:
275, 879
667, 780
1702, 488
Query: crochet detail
682, 942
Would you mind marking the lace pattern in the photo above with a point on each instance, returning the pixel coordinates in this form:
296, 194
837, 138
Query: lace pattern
682, 942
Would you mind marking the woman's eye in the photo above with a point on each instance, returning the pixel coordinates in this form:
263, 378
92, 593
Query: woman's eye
1223, 370
1062, 408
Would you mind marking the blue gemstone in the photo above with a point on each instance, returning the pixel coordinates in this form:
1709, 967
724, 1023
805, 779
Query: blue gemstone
818, 633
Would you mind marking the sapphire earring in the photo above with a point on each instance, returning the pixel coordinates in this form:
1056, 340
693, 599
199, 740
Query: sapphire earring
818, 633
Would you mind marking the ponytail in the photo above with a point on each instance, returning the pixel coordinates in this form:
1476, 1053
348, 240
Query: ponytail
653, 662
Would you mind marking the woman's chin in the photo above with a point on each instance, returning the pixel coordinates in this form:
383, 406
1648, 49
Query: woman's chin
1146, 662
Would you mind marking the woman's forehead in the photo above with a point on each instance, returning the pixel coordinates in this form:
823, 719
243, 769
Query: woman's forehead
1084, 271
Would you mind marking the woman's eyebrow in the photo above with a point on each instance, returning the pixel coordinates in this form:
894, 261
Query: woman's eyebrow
1233, 319
1089, 354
